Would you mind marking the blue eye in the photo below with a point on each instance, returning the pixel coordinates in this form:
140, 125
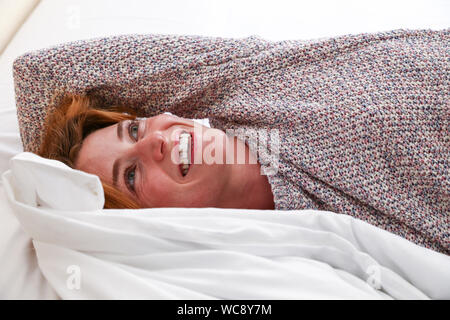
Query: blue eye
129, 178
133, 129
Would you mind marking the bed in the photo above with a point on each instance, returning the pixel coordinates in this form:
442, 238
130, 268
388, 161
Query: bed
79, 251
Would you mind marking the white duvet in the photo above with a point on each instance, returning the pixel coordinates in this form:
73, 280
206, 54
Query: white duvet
86, 252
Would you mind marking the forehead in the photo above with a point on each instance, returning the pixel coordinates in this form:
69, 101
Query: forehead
98, 152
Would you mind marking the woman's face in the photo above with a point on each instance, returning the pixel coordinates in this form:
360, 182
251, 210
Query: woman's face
141, 158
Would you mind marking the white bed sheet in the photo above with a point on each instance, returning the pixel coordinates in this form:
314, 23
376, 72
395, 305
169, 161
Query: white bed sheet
55, 21
208, 253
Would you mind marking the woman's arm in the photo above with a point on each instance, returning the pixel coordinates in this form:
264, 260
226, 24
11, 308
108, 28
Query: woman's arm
151, 73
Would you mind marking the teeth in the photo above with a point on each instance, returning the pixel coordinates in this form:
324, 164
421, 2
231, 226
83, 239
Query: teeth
185, 169
185, 151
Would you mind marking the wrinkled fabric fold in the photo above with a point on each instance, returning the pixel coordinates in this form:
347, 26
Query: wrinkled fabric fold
210, 253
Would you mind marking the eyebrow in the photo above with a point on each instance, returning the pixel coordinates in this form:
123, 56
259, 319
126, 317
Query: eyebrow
120, 129
116, 165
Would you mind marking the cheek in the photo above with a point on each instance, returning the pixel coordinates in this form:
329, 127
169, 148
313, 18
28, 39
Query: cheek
157, 191
160, 191
206, 192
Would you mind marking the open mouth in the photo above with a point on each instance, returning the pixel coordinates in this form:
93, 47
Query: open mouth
185, 151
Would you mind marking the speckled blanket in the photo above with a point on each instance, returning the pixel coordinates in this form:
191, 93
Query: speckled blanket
363, 119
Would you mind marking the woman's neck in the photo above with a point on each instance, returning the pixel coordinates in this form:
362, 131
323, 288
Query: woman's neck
248, 188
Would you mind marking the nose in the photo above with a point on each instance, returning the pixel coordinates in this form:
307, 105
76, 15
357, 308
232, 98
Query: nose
154, 145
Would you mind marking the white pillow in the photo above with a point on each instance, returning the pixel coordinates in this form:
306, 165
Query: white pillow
52, 184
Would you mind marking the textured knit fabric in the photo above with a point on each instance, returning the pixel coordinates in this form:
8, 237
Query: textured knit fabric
363, 119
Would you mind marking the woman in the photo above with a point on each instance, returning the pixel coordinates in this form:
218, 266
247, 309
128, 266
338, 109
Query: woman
358, 124
135, 158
